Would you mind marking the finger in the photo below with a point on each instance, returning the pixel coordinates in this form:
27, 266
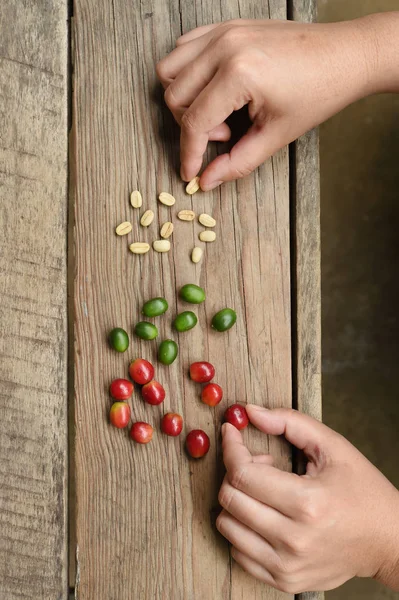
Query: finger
211, 108
169, 67
305, 433
268, 522
234, 450
187, 86
196, 33
204, 29
256, 146
191, 81
245, 540
221, 133
252, 567
188, 47
263, 459
278, 489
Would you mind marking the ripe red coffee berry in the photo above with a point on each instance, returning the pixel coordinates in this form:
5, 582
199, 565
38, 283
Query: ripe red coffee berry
237, 416
141, 371
153, 392
202, 372
172, 424
121, 389
141, 432
197, 443
119, 415
211, 394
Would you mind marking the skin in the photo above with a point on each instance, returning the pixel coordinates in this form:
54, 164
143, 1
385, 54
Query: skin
311, 532
341, 519
292, 77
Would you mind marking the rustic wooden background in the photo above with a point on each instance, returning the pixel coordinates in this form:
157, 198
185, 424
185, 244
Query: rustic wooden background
33, 299
150, 510
143, 523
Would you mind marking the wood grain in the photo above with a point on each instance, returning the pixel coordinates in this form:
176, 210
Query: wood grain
145, 515
33, 340
305, 189
307, 275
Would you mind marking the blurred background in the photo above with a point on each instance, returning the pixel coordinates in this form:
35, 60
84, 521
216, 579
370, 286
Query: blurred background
360, 274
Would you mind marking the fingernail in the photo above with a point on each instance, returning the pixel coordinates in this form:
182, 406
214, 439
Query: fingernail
183, 174
257, 407
207, 187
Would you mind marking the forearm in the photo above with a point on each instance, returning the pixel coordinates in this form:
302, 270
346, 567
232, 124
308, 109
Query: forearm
361, 58
380, 38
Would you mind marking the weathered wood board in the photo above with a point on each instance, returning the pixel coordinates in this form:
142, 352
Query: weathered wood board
305, 192
145, 516
147, 513
33, 299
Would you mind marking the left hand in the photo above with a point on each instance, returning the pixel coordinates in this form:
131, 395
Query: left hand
311, 532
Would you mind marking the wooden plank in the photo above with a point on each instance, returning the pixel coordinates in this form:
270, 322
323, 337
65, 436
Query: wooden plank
307, 275
305, 186
307, 355
307, 251
33, 340
145, 515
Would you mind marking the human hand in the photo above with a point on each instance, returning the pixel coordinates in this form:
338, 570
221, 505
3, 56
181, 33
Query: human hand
284, 71
311, 532
292, 76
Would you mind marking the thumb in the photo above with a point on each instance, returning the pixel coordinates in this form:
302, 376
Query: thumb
315, 439
256, 146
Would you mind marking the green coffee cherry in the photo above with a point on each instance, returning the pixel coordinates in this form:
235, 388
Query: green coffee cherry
167, 352
192, 293
146, 331
118, 339
224, 319
155, 307
185, 321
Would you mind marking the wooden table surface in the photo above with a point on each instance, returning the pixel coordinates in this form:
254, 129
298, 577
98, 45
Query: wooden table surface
84, 124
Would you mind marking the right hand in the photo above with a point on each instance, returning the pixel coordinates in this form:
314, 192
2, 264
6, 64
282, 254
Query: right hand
314, 531
291, 75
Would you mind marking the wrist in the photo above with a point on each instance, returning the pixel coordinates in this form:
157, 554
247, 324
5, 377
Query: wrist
348, 73
379, 40
388, 571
